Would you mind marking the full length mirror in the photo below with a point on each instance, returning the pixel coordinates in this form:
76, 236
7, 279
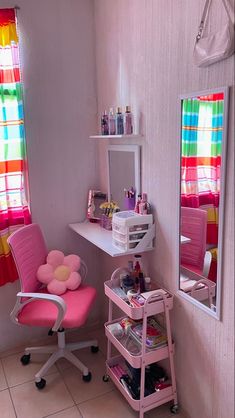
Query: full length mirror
123, 174
202, 188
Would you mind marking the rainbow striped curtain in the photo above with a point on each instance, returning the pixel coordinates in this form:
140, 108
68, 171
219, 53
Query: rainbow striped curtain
202, 130
14, 210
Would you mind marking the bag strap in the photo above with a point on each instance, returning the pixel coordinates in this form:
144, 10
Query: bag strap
205, 14
227, 10
203, 19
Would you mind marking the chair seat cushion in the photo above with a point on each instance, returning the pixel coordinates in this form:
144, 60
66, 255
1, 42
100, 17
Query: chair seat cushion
44, 313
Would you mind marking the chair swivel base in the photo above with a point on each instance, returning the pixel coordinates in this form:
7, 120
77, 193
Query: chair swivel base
61, 350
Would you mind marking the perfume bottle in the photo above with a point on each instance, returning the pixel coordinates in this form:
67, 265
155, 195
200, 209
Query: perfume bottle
104, 124
119, 122
128, 121
112, 124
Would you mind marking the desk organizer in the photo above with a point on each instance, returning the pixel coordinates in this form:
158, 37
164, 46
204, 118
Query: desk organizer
131, 230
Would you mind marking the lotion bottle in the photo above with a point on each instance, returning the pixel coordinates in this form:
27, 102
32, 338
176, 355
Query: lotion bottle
119, 122
128, 121
104, 124
112, 124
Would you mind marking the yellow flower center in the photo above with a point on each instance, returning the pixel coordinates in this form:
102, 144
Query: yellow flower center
62, 273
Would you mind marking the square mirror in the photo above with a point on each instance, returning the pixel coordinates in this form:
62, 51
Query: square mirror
123, 162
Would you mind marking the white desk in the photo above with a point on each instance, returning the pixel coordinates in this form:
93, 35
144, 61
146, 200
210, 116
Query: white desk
102, 238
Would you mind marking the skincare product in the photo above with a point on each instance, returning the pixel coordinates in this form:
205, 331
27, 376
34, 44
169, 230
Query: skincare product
119, 122
104, 124
128, 121
112, 124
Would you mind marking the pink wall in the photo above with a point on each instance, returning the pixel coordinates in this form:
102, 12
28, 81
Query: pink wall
57, 52
144, 58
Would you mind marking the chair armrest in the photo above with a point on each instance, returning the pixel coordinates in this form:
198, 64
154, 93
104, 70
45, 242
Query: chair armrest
57, 300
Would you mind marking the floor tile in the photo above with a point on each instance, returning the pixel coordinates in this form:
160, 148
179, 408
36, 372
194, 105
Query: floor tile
67, 413
3, 383
162, 411
112, 405
82, 391
30, 402
6, 407
16, 373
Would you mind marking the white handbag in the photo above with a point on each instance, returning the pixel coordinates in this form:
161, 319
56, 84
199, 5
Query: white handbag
215, 46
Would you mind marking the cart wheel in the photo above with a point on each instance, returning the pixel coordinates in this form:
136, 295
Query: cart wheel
25, 359
94, 349
41, 384
174, 409
87, 377
105, 378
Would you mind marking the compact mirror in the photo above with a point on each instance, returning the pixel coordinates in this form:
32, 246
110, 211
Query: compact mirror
203, 132
123, 163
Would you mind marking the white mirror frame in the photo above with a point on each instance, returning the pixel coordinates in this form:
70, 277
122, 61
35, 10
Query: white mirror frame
217, 314
135, 149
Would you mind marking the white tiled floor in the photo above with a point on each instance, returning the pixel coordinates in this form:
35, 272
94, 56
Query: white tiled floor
65, 394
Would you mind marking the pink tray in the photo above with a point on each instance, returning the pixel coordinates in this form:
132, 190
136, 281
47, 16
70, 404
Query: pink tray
151, 356
135, 312
154, 400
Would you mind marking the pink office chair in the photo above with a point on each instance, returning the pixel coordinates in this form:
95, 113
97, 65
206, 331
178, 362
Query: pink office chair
36, 307
193, 226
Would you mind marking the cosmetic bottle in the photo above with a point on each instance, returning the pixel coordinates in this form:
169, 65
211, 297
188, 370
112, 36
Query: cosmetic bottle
130, 267
142, 282
128, 121
143, 206
112, 124
137, 205
104, 124
148, 285
138, 264
119, 122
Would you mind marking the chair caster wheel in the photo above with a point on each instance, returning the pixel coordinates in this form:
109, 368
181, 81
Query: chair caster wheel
87, 377
105, 378
41, 384
94, 349
174, 409
25, 359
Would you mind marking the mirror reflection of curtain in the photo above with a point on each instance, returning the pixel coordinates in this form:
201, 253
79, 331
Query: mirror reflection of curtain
202, 129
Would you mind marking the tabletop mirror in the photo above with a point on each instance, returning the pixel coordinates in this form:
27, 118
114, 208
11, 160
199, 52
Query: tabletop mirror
123, 162
203, 129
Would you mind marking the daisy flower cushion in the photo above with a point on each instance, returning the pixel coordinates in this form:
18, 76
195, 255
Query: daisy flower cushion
60, 273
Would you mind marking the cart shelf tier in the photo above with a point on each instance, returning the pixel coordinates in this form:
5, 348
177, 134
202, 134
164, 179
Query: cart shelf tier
135, 312
148, 402
135, 360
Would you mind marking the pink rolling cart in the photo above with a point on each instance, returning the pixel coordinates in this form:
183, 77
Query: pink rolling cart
156, 304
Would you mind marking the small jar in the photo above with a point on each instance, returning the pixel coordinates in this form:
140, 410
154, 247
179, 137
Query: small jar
148, 286
127, 283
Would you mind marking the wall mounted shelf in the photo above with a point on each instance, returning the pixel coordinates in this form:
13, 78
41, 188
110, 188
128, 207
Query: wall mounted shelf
102, 238
134, 136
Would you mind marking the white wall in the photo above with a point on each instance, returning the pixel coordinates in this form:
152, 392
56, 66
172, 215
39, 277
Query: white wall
58, 65
144, 58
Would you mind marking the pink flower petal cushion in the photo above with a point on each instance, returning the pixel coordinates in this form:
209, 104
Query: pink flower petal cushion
60, 272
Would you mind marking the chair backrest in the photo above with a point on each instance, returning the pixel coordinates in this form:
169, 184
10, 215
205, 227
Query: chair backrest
193, 226
29, 252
